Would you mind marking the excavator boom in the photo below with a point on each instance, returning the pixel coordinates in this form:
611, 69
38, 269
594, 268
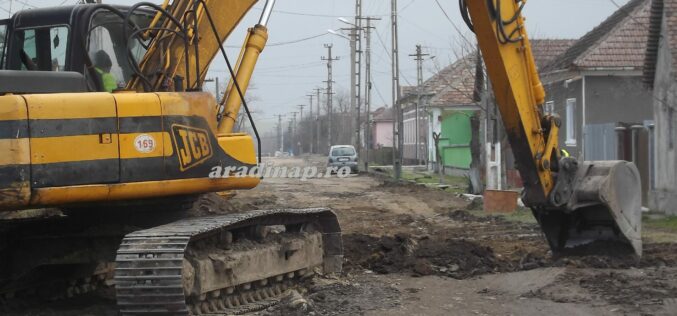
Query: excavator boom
575, 202
186, 58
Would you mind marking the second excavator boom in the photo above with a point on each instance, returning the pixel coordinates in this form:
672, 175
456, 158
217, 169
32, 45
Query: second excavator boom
575, 202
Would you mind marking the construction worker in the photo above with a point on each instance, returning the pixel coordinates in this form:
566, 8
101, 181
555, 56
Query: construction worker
102, 65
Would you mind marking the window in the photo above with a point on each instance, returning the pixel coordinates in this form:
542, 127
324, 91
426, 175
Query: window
106, 48
43, 48
3, 39
549, 108
571, 122
342, 151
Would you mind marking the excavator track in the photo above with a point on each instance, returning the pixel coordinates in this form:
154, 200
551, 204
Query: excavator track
226, 264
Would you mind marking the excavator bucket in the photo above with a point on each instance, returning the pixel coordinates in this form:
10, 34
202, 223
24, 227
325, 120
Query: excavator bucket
604, 209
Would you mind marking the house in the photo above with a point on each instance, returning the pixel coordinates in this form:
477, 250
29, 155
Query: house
450, 98
381, 139
382, 128
596, 87
414, 152
660, 73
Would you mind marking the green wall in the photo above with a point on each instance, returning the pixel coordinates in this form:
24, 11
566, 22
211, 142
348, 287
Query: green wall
456, 136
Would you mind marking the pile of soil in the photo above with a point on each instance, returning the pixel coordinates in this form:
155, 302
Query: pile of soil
607, 255
420, 256
502, 246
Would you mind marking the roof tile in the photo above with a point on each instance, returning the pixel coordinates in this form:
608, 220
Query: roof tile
618, 42
455, 84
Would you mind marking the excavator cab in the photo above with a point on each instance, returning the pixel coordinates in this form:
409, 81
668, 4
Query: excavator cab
68, 49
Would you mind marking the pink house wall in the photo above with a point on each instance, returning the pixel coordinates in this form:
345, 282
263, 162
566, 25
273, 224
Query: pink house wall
383, 134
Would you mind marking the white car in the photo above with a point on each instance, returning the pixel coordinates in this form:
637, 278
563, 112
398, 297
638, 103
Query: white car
343, 156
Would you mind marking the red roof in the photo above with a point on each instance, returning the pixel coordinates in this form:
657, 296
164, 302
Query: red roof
455, 84
617, 43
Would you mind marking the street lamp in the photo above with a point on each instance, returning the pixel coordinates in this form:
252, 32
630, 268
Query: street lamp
344, 20
338, 34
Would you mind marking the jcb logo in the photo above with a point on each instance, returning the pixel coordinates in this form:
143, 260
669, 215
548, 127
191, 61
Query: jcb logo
192, 145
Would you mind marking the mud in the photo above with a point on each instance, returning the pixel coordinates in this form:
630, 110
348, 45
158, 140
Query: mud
637, 290
412, 250
420, 256
448, 252
330, 298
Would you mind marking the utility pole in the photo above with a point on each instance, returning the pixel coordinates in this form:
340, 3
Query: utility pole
354, 86
318, 91
367, 88
311, 122
280, 134
301, 106
310, 103
218, 93
419, 85
397, 107
330, 60
358, 74
215, 80
293, 132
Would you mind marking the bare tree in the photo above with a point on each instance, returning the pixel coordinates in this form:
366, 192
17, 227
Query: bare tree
342, 102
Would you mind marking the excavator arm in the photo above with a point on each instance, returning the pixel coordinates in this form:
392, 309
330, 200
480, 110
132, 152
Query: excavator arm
575, 202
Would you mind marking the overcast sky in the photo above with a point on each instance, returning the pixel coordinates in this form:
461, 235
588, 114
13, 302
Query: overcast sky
287, 73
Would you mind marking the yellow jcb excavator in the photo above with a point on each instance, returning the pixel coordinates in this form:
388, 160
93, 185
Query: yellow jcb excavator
107, 143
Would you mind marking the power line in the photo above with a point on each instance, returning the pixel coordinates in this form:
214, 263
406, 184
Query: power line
629, 14
297, 41
286, 42
407, 6
380, 40
458, 30
310, 14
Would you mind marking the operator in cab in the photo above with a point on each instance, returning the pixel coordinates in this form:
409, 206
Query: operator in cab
103, 65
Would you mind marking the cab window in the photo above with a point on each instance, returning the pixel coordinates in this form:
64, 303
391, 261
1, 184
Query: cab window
42, 48
106, 48
3, 39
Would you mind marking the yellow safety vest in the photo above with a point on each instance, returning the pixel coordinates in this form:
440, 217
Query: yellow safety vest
109, 81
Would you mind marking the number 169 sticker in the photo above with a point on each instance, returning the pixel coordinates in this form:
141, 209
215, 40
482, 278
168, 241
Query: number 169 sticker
144, 143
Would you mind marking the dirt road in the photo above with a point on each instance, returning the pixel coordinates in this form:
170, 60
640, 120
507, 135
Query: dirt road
411, 250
